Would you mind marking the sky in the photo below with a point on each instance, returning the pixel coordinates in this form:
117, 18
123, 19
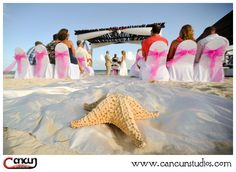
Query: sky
25, 23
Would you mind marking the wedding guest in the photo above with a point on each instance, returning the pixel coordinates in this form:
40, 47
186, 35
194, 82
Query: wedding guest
31, 53
186, 33
210, 34
205, 33
81, 52
63, 37
89, 59
51, 48
135, 68
153, 38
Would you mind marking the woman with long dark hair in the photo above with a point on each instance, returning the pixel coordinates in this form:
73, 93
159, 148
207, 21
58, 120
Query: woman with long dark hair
63, 37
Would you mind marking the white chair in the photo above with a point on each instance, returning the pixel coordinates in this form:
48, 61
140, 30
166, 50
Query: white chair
155, 66
23, 70
91, 71
210, 67
82, 61
181, 67
63, 67
134, 70
43, 68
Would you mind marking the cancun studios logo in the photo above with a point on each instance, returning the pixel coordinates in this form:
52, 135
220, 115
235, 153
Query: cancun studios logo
19, 163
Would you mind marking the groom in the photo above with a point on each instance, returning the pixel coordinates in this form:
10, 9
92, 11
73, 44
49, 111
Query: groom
108, 63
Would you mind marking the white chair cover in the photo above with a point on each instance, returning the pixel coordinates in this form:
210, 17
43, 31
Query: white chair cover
63, 67
155, 66
210, 68
91, 71
43, 68
88, 70
181, 66
23, 70
134, 70
74, 72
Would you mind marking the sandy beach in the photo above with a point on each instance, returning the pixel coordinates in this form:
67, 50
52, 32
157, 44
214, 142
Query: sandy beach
195, 118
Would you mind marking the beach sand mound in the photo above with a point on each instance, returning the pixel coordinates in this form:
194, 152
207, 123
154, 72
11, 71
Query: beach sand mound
38, 113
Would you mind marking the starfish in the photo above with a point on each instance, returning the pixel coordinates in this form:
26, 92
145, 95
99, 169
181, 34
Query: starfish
119, 110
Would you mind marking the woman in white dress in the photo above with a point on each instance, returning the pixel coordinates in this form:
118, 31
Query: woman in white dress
123, 68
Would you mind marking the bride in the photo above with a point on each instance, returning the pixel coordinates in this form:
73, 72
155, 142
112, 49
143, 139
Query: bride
123, 68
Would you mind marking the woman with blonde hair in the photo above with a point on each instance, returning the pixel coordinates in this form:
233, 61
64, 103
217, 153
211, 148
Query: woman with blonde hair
186, 33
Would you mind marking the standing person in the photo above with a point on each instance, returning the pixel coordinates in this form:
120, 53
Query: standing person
186, 33
31, 53
63, 37
153, 38
108, 63
123, 68
115, 65
51, 48
210, 34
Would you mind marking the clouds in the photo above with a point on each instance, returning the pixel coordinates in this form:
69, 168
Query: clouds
99, 62
102, 57
130, 59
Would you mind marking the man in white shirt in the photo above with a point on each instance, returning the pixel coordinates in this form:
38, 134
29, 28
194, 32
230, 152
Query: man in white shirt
209, 34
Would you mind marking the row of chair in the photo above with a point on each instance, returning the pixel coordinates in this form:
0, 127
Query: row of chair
182, 66
63, 68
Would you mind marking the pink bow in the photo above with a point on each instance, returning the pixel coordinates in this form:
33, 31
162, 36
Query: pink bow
62, 63
81, 61
61, 54
138, 57
180, 54
39, 57
213, 54
156, 64
135, 65
18, 58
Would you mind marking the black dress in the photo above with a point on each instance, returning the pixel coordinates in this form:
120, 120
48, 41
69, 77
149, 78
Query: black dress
72, 58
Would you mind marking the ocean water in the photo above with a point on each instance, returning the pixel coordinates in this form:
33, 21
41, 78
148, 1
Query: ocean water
100, 72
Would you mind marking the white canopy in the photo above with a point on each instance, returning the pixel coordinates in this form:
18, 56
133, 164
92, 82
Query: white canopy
114, 35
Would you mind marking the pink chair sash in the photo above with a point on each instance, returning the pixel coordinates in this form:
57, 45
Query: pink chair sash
135, 65
156, 64
18, 61
180, 54
82, 62
213, 55
39, 58
138, 58
9, 68
62, 63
